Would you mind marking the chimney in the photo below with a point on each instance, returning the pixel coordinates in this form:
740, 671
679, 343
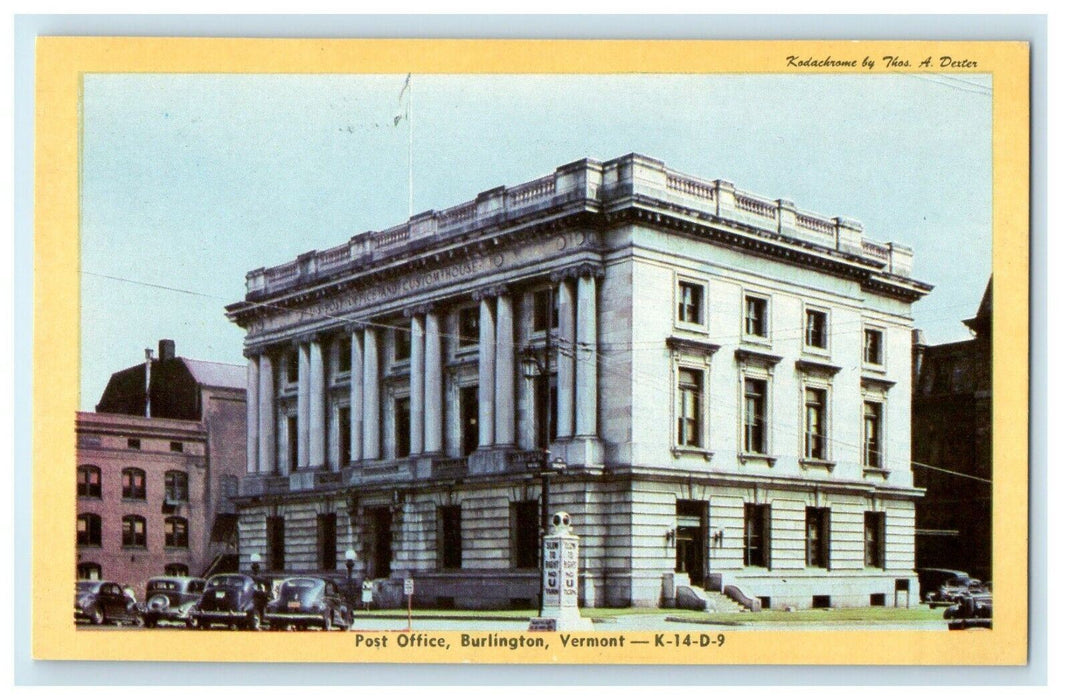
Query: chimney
148, 382
166, 350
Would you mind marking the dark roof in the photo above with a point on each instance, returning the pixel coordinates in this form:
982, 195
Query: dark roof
216, 374
175, 391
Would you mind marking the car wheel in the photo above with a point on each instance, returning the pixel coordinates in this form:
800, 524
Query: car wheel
149, 622
255, 621
97, 616
139, 621
328, 621
191, 623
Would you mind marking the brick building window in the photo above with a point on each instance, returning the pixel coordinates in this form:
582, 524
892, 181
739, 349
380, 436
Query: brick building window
176, 569
88, 481
176, 532
89, 530
133, 531
450, 547
90, 571
133, 443
176, 486
176, 446
133, 483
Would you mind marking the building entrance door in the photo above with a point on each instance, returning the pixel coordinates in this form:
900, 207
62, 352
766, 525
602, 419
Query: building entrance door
381, 542
691, 539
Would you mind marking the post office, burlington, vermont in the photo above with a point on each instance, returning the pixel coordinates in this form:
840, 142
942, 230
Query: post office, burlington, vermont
719, 383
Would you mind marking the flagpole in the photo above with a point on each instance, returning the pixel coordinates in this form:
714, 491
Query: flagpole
410, 148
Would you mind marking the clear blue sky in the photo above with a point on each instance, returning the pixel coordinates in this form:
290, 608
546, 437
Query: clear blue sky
190, 181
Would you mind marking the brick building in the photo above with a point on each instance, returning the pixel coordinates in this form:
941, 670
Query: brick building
952, 432
728, 383
156, 470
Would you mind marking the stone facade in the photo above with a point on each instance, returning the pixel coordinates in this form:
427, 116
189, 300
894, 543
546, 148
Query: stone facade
729, 382
154, 491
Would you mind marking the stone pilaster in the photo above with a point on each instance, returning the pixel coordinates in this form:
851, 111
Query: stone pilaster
317, 407
415, 386
505, 374
356, 393
586, 357
303, 404
487, 355
252, 415
371, 394
268, 441
432, 385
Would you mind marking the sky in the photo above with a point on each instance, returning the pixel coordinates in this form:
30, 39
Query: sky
190, 181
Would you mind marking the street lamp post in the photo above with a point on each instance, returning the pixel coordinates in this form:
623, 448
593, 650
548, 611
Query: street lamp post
350, 562
255, 560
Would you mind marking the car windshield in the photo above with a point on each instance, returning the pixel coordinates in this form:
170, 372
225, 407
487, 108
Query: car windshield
88, 586
227, 582
301, 584
163, 585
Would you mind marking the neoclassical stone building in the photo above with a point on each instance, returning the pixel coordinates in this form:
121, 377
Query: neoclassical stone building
729, 381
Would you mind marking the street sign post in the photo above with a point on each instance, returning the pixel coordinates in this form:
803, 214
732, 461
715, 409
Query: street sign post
410, 588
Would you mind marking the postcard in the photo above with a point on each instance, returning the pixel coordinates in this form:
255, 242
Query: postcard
528, 352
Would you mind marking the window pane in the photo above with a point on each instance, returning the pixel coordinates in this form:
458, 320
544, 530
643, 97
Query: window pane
816, 329
755, 425
873, 347
756, 310
450, 543
402, 344
690, 303
468, 326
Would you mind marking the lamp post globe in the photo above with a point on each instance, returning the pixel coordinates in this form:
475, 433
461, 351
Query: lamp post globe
254, 559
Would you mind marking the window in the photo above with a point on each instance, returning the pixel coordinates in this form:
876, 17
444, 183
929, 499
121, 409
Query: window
177, 570
276, 543
468, 326
290, 366
89, 571
817, 536
545, 310
524, 526
873, 346
689, 421
133, 443
755, 436
816, 329
327, 539
542, 411
175, 532
176, 487
402, 344
755, 534
756, 316
89, 530
176, 446
874, 539
133, 531
345, 355
816, 414
345, 446
402, 424
88, 481
133, 483
469, 419
291, 441
873, 435
690, 304
449, 540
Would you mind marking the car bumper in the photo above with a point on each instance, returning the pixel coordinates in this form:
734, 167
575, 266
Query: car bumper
220, 616
294, 617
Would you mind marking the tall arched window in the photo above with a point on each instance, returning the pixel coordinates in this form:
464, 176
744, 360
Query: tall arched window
89, 571
176, 532
133, 531
133, 483
88, 481
176, 486
89, 529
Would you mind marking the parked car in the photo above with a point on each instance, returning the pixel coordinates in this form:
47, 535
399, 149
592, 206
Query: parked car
170, 599
308, 601
234, 600
103, 603
946, 586
973, 610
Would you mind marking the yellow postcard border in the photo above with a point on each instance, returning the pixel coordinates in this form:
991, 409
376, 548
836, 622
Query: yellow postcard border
61, 62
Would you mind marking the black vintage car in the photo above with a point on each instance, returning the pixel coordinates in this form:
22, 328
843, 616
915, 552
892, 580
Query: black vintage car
170, 599
308, 601
971, 611
104, 602
234, 600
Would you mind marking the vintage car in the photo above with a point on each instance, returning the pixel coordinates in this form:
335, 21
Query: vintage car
234, 600
308, 601
946, 586
170, 599
105, 602
972, 610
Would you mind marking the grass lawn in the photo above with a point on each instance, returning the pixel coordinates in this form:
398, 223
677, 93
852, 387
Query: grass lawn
831, 615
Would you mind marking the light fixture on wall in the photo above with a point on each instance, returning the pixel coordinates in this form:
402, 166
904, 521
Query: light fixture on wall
670, 536
718, 538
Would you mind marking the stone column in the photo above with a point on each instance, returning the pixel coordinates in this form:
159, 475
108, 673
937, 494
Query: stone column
586, 357
356, 394
268, 442
415, 387
486, 372
566, 361
317, 408
252, 415
371, 394
303, 405
505, 375
432, 386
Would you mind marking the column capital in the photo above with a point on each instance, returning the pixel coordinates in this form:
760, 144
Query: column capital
583, 269
418, 310
355, 326
490, 292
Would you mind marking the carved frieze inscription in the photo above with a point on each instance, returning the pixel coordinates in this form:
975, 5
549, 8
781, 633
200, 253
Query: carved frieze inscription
349, 305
